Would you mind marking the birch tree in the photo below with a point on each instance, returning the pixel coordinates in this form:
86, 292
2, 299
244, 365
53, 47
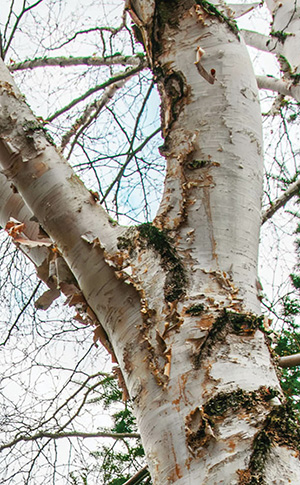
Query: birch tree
175, 300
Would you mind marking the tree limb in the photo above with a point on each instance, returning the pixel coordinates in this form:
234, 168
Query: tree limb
71, 434
281, 201
289, 361
18, 18
140, 475
261, 42
281, 86
62, 61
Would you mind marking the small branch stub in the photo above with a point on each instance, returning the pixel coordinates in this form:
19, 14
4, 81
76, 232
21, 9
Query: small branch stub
209, 77
289, 361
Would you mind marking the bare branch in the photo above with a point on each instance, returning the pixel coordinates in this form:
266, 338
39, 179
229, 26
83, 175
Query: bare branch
281, 86
129, 158
71, 434
281, 201
62, 61
21, 313
261, 42
19, 17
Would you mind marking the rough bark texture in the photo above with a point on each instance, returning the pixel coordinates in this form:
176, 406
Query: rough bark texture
177, 299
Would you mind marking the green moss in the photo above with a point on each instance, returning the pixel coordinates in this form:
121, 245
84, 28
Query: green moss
281, 428
280, 35
296, 78
125, 243
160, 242
31, 126
235, 400
195, 309
232, 402
239, 323
228, 322
194, 164
156, 239
112, 222
141, 55
244, 323
261, 447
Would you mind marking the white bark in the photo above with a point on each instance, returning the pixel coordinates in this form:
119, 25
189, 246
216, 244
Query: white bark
281, 86
59, 200
213, 179
228, 187
261, 42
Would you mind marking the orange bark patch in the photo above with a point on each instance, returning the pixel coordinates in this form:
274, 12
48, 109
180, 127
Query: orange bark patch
231, 446
40, 168
178, 471
244, 477
206, 321
76, 299
14, 228
182, 395
176, 474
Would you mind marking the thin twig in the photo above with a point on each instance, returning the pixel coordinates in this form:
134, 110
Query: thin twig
129, 158
88, 116
24, 10
21, 313
89, 92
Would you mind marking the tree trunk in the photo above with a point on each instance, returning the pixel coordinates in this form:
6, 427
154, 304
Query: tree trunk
178, 298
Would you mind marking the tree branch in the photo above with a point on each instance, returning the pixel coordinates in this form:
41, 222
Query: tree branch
261, 42
21, 313
140, 475
71, 434
281, 201
24, 10
129, 158
281, 86
62, 61
289, 361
